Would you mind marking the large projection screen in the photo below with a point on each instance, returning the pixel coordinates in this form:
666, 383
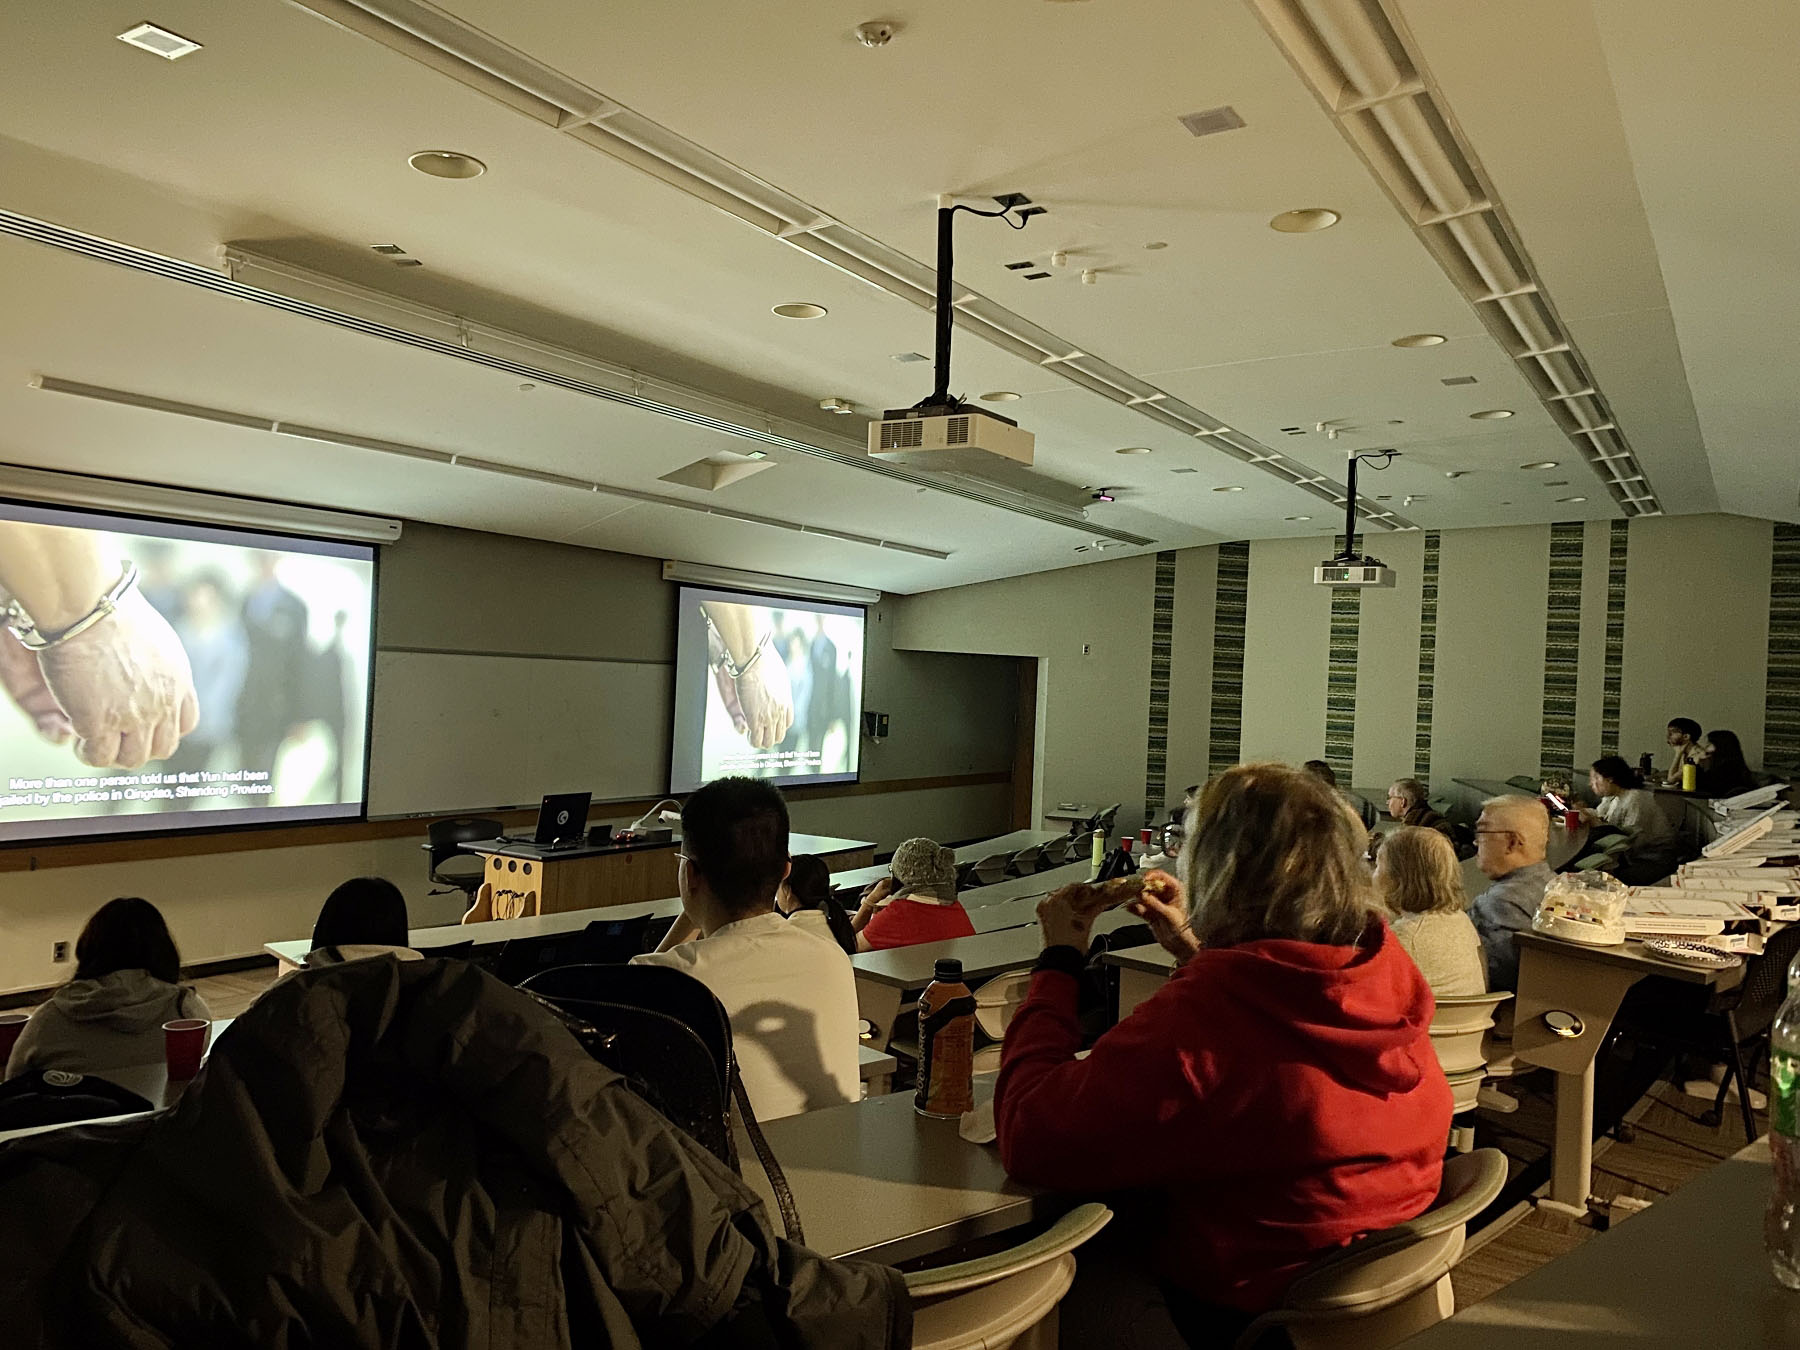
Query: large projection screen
227, 686
791, 715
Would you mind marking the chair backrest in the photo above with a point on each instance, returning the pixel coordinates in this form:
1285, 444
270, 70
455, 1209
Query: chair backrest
991, 869
1105, 820
1765, 982
1025, 862
447, 837
998, 999
663, 1031
53, 1097
1062, 1237
455, 950
1055, 853
1458, 1029
604, 942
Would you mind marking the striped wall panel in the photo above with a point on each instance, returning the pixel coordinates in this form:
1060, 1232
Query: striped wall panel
1340, 680
1162, 636
1231, 599
1562, 648
1613, 671
1428, 603
1781, 724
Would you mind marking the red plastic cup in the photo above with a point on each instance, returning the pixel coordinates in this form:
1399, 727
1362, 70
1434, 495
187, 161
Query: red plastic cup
11, 1024
1571, 820
1144, 839
184, 1044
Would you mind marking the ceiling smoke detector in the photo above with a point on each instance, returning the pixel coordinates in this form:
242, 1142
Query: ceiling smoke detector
876, 34
1211, 121
147, 37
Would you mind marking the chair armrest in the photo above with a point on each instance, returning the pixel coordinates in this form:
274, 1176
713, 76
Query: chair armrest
1066, 1234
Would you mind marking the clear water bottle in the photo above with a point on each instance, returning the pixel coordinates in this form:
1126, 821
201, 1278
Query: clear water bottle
1781, 1225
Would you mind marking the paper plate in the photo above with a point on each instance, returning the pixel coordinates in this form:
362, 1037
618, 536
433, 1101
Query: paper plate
1692, 953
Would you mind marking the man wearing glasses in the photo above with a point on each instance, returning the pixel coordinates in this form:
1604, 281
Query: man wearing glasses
1511, 839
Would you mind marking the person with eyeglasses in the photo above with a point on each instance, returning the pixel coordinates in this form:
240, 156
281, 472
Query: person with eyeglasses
1511, 838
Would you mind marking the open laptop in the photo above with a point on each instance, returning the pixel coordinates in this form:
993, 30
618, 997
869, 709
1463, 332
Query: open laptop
562, 819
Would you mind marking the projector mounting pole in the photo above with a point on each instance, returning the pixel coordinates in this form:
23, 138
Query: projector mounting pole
945, 310
1348, 553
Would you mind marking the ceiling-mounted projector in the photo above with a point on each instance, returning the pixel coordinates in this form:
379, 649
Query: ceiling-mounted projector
1362, 572
955, 439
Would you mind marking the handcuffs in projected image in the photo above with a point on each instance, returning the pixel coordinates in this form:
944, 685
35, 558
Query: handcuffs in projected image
33, 639
730, 667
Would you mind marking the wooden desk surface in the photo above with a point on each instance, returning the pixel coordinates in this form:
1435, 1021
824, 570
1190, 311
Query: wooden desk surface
983, 956
1634, 956
1150, 959
877, 1180
1688, 1272
496, 931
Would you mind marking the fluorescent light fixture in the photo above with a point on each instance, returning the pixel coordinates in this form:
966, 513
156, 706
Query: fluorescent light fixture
251, 513
766, 583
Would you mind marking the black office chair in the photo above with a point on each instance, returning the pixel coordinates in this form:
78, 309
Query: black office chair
1104, 821
446, 839
603, 943
457, 951
1740, 1021
668, 1036
52, 1097
663, 1031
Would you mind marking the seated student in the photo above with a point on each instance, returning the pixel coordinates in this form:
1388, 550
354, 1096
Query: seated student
790, 994
1630, 808
1511, 839
806, 898
1279, 1096
1417, 877
916, 904
1167, 844
1684, 737
111, 1013
1723, 772
1406, 803
366, 916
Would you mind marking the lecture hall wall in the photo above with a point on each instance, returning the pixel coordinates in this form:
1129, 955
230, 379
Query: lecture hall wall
475, 635
1505, 635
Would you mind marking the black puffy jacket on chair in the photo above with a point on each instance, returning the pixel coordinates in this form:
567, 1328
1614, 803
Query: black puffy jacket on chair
408, 1154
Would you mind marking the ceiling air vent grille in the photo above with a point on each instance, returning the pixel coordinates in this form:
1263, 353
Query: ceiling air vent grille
1212, 121
956, 431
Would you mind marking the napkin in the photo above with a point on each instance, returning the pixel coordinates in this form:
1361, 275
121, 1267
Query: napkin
977, 1126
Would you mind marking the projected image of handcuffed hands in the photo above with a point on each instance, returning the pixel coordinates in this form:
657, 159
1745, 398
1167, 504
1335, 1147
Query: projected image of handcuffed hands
751, 679
104, 659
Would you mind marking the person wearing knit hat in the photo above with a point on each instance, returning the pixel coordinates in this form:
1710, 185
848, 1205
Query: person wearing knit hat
915, 903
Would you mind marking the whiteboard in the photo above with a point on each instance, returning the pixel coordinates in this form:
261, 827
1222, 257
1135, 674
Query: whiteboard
459, 732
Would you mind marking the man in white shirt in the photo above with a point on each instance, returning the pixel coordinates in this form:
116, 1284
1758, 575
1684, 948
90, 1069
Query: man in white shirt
790, 994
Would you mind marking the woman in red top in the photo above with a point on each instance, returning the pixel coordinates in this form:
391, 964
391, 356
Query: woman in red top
1280, 1092
924, 907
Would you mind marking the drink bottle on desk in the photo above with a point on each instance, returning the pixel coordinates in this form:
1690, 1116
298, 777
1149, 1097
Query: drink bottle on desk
946, 1044
1781, 1224
1690, 777
1098, 854
1646, 765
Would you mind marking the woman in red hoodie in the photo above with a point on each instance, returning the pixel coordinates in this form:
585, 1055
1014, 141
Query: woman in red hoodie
1280, 1092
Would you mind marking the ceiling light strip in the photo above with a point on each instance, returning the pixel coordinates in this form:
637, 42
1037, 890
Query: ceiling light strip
174, 269
1355, 54
128, 398
520, 82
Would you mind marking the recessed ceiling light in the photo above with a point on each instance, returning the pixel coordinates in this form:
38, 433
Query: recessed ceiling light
1133, 450
1556, 482
910, 357
147, 37
1296, 517
1184, 471
800, 309
1490, 414
1000, 396
1155, 244
1571, 499
756, 454
447, 164
1232, 488
527, 387
1539, 464
1420, 340
1454, 473
1304, 221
